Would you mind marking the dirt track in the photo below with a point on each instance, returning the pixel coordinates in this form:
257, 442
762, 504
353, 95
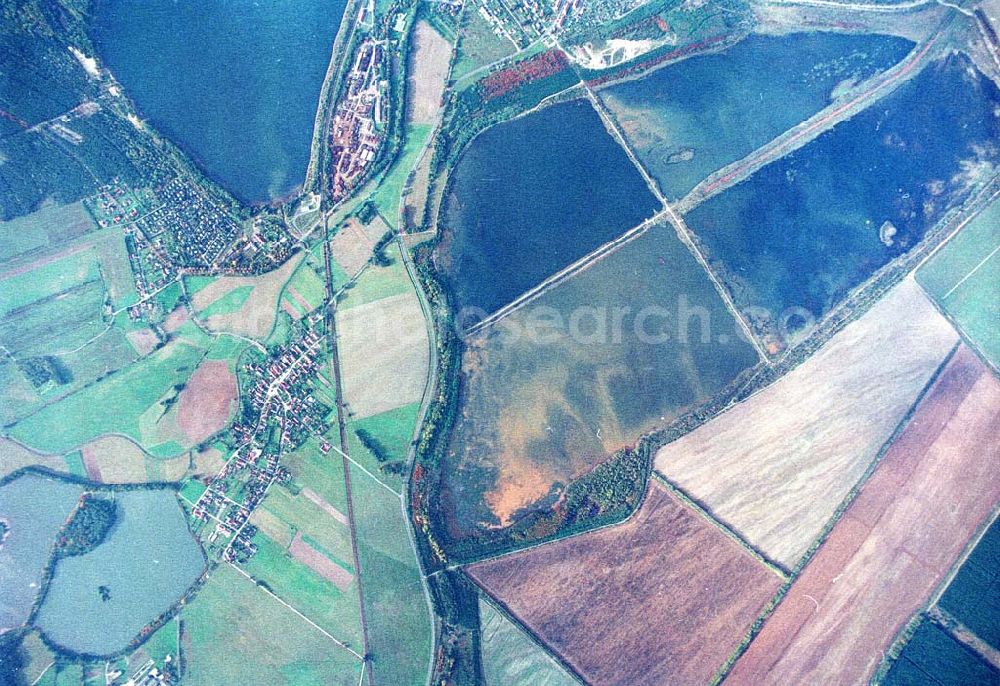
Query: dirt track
895, 543
664, 598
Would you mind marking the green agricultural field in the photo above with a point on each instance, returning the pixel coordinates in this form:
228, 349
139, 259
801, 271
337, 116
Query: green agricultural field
228, 348
228, 303
235, 633
399, 622
52, 315
972, 596
114, 405
281, 333
161, 644
48, 279
169, 297
511, 657
115, 269
68, 364
193, 284
192, 490
478, 46
74, 464
309, 287
387, 197
389, 433
34, 657
324, 474
316, 260
378, 282
49, 226
303, 515
933, 656
338, 612
63, 674
963, 278
55, 324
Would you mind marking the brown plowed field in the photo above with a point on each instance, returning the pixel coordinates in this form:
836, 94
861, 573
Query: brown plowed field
894, 544
207, 401
320, 563
661, 599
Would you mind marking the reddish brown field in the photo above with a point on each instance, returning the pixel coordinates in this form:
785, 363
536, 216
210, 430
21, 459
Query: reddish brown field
206, 401
91, 466
290, 309
320, 563
661, 599
894, 544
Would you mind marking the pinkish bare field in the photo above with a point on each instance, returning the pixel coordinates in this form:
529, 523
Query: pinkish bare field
661, 599
894, 544
206, 401
776, 466
431, 58
320, 563
383, 350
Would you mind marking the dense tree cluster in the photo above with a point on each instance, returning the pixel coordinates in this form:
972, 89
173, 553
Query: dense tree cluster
89, 525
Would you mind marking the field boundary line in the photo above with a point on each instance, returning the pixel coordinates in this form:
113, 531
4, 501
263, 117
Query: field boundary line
860, 299
299, 614
926, 611
972, 209
964, 556
687, 238
805, 132
511, 617
838, 513
973, 345
330, 319
512, 57
964, 635
362, 468
612, 127
683, 232
972, 214
566, 273
44, 672
780, 570
973, 271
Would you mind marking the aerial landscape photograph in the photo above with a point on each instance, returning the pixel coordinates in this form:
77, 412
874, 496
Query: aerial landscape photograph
499, 342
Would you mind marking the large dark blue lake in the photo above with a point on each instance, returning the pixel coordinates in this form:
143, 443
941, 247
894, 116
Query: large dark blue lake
234, 83
692, 118
804, 230
533, 195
